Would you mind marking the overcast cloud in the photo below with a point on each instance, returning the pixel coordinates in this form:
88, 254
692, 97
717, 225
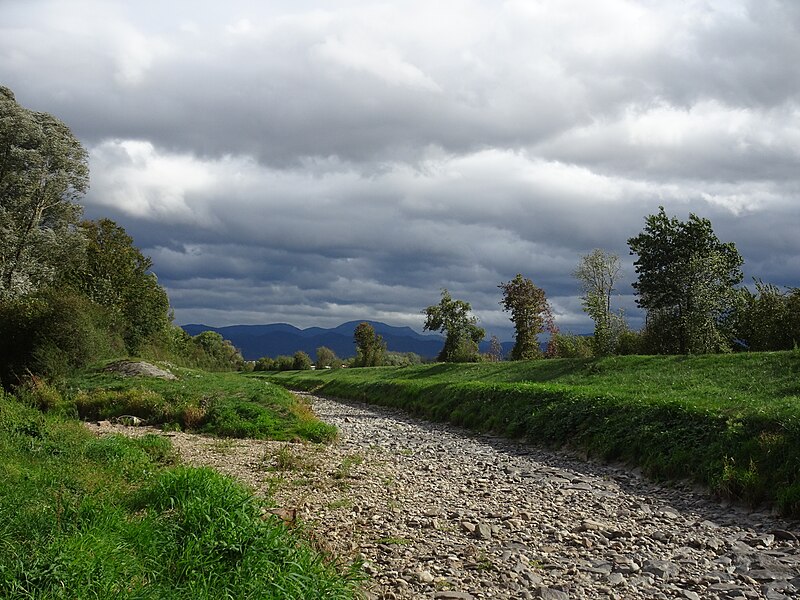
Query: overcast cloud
317, 162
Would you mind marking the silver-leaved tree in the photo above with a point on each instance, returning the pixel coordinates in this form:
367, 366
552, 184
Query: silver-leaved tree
43, 172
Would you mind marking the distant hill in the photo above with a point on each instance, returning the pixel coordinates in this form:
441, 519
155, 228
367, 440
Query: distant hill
255, 341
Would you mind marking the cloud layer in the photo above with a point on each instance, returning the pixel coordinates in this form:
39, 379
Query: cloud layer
315, 162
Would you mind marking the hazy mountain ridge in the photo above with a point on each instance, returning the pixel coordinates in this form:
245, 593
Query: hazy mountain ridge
255, 341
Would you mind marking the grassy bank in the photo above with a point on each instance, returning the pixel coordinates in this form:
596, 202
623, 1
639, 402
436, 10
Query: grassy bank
223, 404
87, 517
731, 422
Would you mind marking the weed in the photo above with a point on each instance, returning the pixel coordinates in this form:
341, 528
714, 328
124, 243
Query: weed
341, 503
393, 541
345, 468
286, 459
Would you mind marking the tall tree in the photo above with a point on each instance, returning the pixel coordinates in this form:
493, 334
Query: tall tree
43, 171
597, 273
530, 313
462, 334
686, 279
115, 274
370, 347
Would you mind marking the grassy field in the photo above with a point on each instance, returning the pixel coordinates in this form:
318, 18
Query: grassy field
731, 422
113, 517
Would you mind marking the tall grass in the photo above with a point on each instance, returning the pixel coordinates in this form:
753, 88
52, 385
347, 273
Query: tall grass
82, 517
731, 422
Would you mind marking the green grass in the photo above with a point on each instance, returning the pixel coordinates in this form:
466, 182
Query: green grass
87, 517
223, 404
731, 422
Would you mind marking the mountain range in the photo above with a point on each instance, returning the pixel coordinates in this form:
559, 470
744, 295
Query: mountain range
255, 341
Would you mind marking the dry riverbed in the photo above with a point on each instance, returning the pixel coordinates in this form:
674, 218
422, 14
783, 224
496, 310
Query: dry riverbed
436, 512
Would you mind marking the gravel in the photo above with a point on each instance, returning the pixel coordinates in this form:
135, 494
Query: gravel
434, 511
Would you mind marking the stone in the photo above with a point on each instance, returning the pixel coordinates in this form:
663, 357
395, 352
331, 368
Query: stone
424, 576
550, 594
483, 531
661, 569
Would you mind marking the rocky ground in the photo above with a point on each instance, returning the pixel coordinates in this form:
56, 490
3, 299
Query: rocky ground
436, 512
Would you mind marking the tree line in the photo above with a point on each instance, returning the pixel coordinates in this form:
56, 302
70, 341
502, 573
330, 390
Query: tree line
73, 291
688, 284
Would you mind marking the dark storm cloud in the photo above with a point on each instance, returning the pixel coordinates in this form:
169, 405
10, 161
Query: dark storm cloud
319, 162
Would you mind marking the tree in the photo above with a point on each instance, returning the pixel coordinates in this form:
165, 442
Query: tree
686, 279
301, 361
462, 334
265, 363
327, 358
530, 313
768, 319
115, 274
43, 171
597, 273
495, 353
370, 347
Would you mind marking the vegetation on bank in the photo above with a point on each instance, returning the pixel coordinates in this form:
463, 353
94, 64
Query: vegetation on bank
82, 517
222, 404
731, 421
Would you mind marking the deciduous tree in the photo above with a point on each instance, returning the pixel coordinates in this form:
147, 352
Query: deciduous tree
43, 171
370, 347
115, 274
530, 313
686, 279
462, 334
327, 358
597, 273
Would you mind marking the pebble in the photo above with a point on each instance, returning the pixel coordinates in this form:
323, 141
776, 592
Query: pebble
437, 512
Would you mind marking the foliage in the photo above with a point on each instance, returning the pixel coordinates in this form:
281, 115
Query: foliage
115, 275
301, 361
530, 313
730, 421
462, 334
43, 171
370, 347
265, 363
213, 352
686, 280
495, 353
569, 345
327, 358
402, 359
50, 333
113, 517
597, 273
284, 363
768, 319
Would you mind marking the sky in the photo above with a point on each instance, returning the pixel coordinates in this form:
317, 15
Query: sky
315, 162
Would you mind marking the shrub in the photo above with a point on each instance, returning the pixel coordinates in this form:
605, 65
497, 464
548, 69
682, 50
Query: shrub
569, 345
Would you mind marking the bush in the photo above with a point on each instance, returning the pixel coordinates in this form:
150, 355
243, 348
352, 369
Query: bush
51, 333
630, 342
569, 345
